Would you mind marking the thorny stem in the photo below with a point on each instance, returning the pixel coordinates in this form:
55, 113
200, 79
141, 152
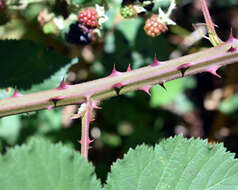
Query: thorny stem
204, 61
213, 37
85, 129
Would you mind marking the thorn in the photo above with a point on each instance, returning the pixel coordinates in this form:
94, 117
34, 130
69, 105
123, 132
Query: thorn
213, 71
182, 68
89, 141
114, 72
146, 89
118, 85
128, 68
56, 99
16, 93
117, 89
94, 105
63, 85
231, 38
231, 49
155, 62
162, 85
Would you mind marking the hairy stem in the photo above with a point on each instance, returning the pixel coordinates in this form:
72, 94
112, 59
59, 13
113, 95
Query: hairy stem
85, 130
205, 61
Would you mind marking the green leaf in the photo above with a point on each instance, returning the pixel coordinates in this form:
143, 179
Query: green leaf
175, 164
160, 97
24, 63
41, 165
129, 28
54, 80
9, 128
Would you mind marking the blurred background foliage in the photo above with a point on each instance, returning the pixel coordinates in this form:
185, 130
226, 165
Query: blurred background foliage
35, 57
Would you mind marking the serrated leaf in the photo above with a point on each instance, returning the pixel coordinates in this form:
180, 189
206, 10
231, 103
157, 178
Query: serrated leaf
41, 165
24, 63
175, 164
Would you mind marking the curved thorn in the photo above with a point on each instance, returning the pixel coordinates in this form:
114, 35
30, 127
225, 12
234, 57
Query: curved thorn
182, 68
62, 85
162, 85
146, 89
213, 71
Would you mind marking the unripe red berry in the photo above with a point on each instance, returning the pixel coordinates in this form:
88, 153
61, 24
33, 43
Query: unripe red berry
154, 27
88, 17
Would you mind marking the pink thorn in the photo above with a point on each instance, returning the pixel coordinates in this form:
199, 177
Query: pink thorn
128, 68
62, 85
56, 99
89, 141
213, 71
231, 38
117, 73
146, 89
182, 68
231, 49
94, 105
49, 108
155, 62
16, 93
114, 72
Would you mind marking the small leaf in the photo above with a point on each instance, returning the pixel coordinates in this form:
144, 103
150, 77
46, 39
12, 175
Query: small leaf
175, 164
41, 165
24, 63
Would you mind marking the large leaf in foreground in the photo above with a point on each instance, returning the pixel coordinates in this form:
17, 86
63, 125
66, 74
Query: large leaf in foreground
24, 63
41, 165
175, 164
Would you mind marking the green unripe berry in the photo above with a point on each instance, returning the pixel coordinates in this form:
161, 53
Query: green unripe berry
127, 12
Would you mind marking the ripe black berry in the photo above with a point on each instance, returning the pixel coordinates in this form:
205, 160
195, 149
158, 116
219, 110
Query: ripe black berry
78, 34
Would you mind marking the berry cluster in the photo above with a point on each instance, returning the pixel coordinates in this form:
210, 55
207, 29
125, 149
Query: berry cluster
88, 17
128, 11
82, 32
155, 23
131, 8
154, 27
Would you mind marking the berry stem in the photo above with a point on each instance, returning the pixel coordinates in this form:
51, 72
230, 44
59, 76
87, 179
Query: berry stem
204, 61
213, 37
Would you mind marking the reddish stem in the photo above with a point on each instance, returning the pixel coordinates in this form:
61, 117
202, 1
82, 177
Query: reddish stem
210, 24
86, 119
